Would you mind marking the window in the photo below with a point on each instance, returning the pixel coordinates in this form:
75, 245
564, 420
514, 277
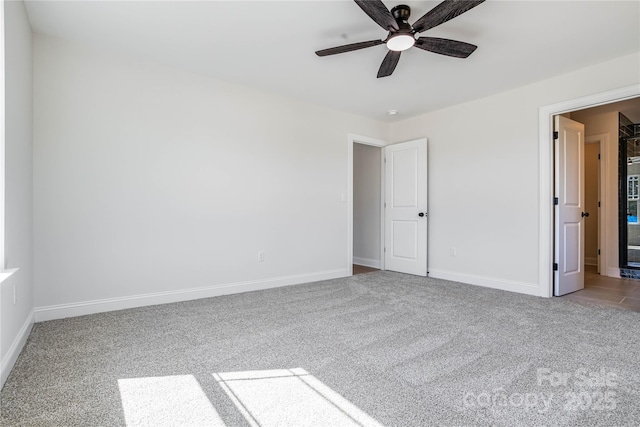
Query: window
632, 187
633, 195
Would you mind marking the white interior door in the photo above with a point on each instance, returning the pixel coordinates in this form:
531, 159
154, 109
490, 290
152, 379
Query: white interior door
406, 207
570, 206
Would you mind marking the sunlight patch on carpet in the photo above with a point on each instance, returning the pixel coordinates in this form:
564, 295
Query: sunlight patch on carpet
289, 397
166, 401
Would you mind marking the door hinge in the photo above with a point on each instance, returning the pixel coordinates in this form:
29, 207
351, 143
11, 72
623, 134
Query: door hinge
598, 156
385, 204
598, 251
598, 204
556, 135
385, 160
384, 250
555, 201
555, 266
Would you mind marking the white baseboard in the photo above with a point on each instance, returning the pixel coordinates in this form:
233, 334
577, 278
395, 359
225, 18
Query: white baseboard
61, 311
613, 272
367, 262
16, 347
591, 261
487, 282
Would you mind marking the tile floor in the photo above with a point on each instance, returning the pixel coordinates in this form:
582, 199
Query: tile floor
622, 293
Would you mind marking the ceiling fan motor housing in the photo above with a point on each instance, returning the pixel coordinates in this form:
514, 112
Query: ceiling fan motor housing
403, 38
402, 12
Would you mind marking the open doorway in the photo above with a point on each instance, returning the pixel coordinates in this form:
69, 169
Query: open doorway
603, 200
402, 205
629, 166
362, 153
546, 173
367, 218
593, 229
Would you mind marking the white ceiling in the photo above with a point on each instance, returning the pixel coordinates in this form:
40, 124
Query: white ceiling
270, 45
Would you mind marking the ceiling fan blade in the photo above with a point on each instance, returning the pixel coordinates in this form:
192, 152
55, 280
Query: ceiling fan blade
389, 63
445, 46
443, 12
348, 47
379, 13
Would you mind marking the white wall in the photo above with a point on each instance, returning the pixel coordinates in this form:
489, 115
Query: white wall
366, 205
604, 121
154, 185
16, 319
484, 176
154, 182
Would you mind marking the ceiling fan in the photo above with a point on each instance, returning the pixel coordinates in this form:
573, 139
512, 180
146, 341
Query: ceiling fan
402, 35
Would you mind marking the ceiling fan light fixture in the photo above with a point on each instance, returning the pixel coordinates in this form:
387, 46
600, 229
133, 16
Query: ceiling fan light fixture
402, 35
400, 42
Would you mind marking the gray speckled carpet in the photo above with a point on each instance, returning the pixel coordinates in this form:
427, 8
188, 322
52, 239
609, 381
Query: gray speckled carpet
374, 348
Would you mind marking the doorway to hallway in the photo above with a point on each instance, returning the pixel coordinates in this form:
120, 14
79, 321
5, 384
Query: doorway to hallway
367, 202
601, 244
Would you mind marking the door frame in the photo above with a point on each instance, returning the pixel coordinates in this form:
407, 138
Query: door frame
2, 142
602, 140
374, 142
546, 152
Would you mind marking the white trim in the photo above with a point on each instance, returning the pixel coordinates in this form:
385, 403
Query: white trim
545, 149
487, 282
613, 272
2, 135
367, 262
16, 347
383, 198
375, 142
82, 308
603, 170
367, 140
